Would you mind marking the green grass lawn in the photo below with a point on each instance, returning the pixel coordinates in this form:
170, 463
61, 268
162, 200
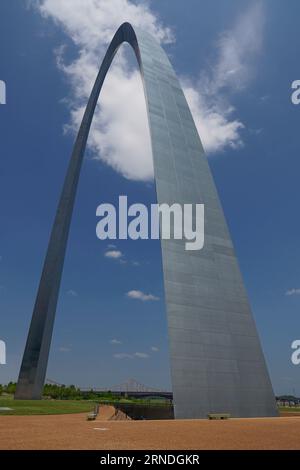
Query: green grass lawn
288, 409
44, 407
47, 407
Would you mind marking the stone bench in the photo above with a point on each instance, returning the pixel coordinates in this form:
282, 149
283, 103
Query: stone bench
218, 416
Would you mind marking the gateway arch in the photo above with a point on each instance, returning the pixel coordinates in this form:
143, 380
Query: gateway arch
217, 364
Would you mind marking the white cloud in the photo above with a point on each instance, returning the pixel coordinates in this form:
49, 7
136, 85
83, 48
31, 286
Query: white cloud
72, 293
230, 71
141, 355
139, 295
115, 341
293, 292
123, 356
154, 348
238, 49
216, 129
94, 21
115, 254
121, 138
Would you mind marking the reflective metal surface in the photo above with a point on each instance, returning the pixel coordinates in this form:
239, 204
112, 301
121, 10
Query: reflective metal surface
217, 365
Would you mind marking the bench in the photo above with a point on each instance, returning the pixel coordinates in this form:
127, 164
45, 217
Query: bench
93, 415
218, 416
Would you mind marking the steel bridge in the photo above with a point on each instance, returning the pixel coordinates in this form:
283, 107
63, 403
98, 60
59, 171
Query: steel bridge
132, 388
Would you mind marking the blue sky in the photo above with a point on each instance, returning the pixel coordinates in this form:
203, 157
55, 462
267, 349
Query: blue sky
236, 61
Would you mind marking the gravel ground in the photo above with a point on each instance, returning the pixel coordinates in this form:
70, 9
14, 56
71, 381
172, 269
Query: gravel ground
75, 432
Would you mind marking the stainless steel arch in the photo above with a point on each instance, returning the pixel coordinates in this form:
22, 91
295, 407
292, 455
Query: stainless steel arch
217, 364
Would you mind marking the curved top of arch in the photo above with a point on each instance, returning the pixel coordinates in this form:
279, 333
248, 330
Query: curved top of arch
167, 109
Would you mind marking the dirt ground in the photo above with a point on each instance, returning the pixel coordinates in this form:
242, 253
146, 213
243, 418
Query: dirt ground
75, 432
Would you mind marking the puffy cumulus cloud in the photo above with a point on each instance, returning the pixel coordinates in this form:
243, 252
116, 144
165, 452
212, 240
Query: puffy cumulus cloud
139, 295
119, 135
92, 23
115, 341
214, 125
114, 254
